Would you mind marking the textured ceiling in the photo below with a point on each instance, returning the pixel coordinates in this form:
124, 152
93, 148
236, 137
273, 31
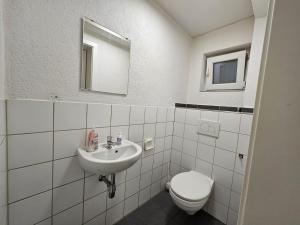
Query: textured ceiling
201, 16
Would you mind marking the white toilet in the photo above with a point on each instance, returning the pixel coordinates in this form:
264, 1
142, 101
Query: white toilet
190, 190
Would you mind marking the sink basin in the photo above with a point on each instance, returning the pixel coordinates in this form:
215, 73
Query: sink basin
108, 161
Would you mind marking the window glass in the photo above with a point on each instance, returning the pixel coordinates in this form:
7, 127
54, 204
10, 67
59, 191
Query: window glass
225, 72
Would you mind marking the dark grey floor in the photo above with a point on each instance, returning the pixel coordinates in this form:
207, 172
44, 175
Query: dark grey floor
161, 211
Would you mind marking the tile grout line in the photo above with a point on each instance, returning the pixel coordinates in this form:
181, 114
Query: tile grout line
52, 188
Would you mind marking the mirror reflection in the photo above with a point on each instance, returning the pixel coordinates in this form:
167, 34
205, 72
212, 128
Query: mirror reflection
105, 59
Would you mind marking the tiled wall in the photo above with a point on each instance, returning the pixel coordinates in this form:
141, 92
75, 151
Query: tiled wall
215, 157
3, 165
47, 186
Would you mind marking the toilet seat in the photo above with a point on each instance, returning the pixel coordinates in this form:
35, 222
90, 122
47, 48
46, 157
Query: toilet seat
191, 186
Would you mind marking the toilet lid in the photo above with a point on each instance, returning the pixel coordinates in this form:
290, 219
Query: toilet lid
191, 186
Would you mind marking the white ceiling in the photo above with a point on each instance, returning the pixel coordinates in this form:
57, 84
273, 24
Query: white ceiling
201, 16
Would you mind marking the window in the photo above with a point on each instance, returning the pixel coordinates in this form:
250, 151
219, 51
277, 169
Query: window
226, 72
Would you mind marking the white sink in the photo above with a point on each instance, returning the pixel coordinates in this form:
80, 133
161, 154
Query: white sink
109, 161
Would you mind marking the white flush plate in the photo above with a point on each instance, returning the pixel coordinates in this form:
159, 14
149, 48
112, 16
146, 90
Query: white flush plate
209, 128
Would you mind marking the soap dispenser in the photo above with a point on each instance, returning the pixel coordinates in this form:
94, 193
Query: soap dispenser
119, 139
92, 140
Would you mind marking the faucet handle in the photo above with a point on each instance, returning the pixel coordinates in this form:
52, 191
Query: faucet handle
109, 138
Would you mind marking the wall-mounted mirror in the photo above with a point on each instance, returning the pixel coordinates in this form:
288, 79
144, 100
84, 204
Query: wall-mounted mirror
105, 59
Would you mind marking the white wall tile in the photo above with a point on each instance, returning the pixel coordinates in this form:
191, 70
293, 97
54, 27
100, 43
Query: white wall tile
66, 143
161, 114
69, 115
119, 196
192, 116
174, 169
209, 115
132, 187
167, 156
98, 220
98, 115
159, 144
176, 157
180, 115
168, 143
147, 164
222, 176
72, 216
224, 158
160, 130
28, 181
189, 147
145, 179
165, 171
237, 184
120, 115
232, 218
230, 121
246, 124
203, 167
144, 196
136, 133
94, 206
158, 159
150, 114
171, 114
120, 177
155, 189
243, 144
28, 149
31, 210
240, 164
178, 129
93, 187
66, 170
177, 143
221, 194
67, 196
131, 204
102, 133
207, 140
235, 201
137, 114
115, 214
149, 130
219, 211
190, 132
123, 130
134, 170
205, 152
163, 183
24, 116
169, 128
188, 162
227, 140
156, 174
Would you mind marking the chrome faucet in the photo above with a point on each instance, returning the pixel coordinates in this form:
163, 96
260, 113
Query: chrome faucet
109, 142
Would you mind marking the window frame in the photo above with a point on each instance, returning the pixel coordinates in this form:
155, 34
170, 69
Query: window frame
240, 56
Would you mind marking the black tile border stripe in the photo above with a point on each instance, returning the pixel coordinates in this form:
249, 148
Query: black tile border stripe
215, 107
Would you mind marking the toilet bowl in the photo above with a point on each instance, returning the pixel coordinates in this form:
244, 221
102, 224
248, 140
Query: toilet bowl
190, 190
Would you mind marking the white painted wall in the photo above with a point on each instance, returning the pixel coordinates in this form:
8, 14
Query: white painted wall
2, 62
237, 34
43, 50
255, 61
272, 184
